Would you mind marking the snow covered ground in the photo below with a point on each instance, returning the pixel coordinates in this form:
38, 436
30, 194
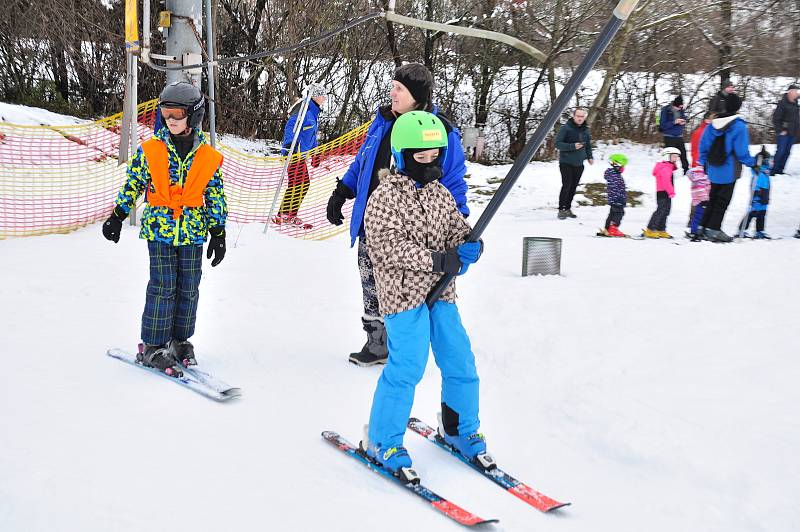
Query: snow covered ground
652, 384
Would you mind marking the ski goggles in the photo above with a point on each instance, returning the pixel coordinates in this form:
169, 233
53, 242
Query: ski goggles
174, 113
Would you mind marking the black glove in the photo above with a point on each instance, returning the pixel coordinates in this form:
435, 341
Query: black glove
446, 262
456, 261
340, 194
216, 246
113, 226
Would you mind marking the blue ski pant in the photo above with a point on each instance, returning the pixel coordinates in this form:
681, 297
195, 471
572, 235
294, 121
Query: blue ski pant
411, 335
782, 152
170, 307
697, 216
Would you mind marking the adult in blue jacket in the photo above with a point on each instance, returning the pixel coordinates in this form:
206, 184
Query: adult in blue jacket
297, 171
412, 89
723, 176
672, 124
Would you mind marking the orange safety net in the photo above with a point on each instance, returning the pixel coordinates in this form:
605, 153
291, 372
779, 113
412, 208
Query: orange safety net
56, 179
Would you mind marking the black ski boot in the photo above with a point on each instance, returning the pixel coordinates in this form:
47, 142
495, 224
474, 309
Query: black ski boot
160, 358
183, 351
375, 350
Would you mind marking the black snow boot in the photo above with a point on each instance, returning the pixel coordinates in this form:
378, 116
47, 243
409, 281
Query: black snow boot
183, 351
375, 350
160, 357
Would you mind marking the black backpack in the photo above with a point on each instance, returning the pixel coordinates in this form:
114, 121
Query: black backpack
717, 154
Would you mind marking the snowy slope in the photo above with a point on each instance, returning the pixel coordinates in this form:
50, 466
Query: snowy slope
652, 385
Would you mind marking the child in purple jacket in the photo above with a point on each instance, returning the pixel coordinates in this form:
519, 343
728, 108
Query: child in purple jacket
665, 190
615, 190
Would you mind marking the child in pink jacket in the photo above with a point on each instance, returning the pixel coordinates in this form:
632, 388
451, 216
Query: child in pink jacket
665, 190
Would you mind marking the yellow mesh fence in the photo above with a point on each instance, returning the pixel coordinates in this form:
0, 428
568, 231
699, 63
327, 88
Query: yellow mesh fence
56, 179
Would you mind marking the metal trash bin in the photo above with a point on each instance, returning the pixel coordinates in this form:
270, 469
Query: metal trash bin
541, 255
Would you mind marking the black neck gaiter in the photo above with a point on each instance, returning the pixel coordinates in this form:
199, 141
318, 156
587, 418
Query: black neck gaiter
421, 173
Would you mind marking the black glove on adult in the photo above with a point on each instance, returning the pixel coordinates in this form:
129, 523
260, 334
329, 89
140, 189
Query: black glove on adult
340, 194
112, 227
216, 246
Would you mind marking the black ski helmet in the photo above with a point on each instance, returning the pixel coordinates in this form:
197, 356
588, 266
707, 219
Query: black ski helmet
182, 94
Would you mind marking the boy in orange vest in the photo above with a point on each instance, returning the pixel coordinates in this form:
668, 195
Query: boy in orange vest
180, 174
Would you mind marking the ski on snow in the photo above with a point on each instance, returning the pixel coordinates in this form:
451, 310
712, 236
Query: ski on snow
438, 502
495, 474
195, 379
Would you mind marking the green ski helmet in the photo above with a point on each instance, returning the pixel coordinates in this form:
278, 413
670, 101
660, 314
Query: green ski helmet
417, 130
618, 159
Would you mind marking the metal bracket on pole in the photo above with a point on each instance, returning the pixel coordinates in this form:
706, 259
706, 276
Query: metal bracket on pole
298, 125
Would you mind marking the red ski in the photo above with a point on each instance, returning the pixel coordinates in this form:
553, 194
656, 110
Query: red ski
439, 503
495, 474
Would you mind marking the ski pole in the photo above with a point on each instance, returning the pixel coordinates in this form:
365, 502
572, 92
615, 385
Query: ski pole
746, 219
621, 13
298, 126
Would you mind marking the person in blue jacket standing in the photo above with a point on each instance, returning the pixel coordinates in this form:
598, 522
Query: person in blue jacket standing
297, 171
412, 90
672, 124
721, 159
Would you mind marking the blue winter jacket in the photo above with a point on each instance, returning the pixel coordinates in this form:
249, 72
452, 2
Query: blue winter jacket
667, 121
737, 145
307, 140
359, 175
761, 192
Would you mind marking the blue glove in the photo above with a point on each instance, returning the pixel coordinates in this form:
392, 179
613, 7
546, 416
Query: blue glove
469, 253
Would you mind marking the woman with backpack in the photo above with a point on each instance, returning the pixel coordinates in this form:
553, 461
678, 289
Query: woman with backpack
724, 145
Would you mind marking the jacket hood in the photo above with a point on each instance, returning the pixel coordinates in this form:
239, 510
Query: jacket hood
721, 123
576, 126
387, 176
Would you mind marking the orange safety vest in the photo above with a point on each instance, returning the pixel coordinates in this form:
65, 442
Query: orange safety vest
205, 163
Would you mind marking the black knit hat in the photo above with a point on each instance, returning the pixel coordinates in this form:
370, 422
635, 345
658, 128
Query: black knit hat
732, 104
793, 86
727, 83
419, 82
678, 101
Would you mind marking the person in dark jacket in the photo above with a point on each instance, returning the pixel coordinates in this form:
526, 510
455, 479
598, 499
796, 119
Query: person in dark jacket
736, 144
297, 171
412, 90
672, 124
786, 120
718, 102
574, 145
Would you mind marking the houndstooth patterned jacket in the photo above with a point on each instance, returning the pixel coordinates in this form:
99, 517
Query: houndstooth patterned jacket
404, 225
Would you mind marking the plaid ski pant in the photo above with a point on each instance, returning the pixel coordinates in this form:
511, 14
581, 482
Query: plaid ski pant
170, 307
